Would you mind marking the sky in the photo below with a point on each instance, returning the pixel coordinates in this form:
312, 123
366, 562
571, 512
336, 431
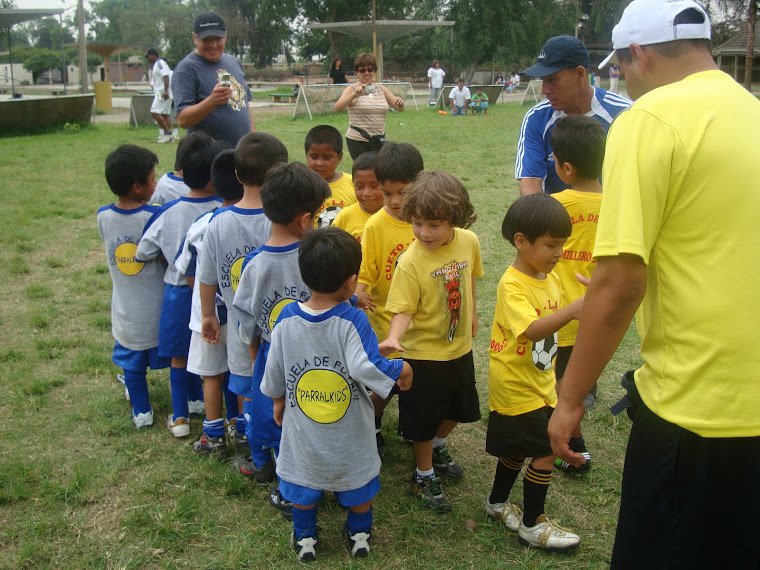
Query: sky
45, 4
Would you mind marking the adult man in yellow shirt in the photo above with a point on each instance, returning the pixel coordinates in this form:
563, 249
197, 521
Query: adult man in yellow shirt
676, 242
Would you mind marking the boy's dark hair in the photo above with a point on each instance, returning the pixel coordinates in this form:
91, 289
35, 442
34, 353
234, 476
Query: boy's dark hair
536, 215
579, 140
290, 190
255, 154
201, 152
324, 134
438, 195
398, 162
129, 164
327, 257
365, 161
226, 183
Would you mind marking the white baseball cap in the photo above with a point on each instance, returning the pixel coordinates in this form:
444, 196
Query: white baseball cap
646, 22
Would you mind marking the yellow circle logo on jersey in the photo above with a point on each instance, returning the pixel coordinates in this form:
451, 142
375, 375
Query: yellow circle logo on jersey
323, 395
125, 259
276, 310
235, 270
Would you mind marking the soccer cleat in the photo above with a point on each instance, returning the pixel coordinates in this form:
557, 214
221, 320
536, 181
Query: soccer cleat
582, 469
278, 502
429, 491
506, 512
196, 407
304, 547
179, 427
589, 400
444, 464
380, 441
142, 420
247, 467
358, 543
214, 447
547, 535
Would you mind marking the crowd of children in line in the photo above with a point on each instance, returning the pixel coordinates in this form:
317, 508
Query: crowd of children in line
302, 299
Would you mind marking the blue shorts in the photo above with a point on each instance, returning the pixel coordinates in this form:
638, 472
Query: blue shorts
265, 432
174, 326
240, 385
306, 496
138, 360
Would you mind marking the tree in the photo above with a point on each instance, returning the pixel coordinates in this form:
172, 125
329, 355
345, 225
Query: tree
42, 61
751, 21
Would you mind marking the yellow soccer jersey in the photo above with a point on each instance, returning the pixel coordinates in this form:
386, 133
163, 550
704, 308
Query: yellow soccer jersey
577, 256
436, 287
384, 240
681, 194
520, 372
342, 195
352, 219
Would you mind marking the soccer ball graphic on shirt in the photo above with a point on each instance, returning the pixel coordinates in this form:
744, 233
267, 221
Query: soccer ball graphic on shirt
327, 216
543, 352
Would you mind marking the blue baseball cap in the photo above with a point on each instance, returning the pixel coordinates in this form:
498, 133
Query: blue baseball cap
559, 52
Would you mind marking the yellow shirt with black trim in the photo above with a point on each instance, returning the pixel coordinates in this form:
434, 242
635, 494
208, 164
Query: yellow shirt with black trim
517, 382
384, 240
681, 193
352, 219
436, 288
577, 254
343, 195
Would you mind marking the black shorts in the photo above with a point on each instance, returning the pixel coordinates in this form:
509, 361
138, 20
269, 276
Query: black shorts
560, 363
523, 435
687, 501
441, 390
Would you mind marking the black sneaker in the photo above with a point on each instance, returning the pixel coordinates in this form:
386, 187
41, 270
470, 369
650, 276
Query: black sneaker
429, 491
579, 471
305, 547
358, 543
279, 503
247, 467
444, 464
380, 440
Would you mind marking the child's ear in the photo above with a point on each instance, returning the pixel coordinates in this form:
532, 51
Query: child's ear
350, 284
340, 157
520, 241
238, 177
306, 220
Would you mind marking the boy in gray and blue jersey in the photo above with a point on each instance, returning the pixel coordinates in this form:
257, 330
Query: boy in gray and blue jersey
323, 355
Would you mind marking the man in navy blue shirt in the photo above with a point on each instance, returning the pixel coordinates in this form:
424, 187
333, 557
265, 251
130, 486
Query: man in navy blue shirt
562, 64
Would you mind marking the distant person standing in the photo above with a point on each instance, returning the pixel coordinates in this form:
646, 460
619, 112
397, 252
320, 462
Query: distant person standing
337, 74
435, 82
614, 77
161, 108
209, 86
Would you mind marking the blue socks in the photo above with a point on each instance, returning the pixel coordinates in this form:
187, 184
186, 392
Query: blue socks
357, 522
213, 428
305, 522
178, 377
230, 399
137, 386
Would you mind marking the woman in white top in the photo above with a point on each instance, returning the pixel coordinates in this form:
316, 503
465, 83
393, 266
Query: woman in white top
367, 104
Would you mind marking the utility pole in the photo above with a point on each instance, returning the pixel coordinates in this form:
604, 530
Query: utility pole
82, 49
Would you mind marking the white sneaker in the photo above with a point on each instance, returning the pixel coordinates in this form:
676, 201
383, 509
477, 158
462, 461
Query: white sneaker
143, 420
547, 535
506, 512
165, 139
358, 543
120, 378
179, 427
305, 548
196, 407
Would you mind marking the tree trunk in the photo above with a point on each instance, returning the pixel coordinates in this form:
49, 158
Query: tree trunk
470, 72
751, 20
335, 47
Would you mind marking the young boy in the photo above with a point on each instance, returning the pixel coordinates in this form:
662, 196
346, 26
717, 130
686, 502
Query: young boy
578, 160
231, 235
163, 235
434, 286
479, 102
369, 196
385, 238
137, 287
324, 151
324, 409
207, 360
291, 197
172, 185
520, 379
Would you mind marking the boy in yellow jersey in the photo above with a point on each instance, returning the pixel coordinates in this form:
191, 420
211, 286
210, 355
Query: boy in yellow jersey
578, 157
324, 151
521, 383
386, 237
434, 286
369, 196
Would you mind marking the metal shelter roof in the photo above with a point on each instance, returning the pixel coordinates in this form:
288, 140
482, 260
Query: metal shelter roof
387, 30
10, 17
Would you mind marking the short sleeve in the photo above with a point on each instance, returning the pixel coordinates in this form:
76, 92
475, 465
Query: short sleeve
518, 310
404, 295
184, 88
368, 271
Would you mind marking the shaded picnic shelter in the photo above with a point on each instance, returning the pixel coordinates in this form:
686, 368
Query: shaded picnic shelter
731, 56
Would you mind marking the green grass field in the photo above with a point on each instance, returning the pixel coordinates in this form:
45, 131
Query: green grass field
80, 487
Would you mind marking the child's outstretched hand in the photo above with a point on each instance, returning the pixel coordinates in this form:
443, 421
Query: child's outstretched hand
210, 330
390, 345
278, 410
404, 381
364, 301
